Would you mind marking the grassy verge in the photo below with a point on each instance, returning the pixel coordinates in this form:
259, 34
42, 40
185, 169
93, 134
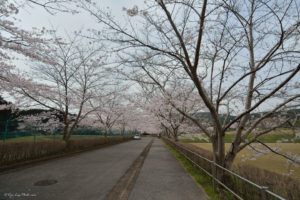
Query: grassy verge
203, 179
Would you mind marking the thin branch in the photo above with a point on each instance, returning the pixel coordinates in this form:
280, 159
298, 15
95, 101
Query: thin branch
275, 152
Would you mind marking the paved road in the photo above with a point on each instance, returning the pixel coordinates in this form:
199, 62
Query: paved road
87, 176
164, 178
93, 175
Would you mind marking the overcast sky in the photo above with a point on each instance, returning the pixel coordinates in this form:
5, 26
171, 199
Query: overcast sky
66, 23
36, 16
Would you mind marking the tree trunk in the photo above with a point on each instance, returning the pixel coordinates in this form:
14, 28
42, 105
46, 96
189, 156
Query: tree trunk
232, 153
175, 134
65, 134
218, 143
176, 138
229, 160
122, 130
168, 133
68, 136
106, 132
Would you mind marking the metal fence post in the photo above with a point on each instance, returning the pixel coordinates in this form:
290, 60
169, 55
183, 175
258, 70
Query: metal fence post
5, 130
54, 134
263, 192
213, 173
195, 167
34, 136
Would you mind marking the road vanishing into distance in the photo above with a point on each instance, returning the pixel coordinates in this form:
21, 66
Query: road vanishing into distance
134, 170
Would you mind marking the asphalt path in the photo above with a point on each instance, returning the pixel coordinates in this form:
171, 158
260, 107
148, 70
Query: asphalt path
164, 178
86, 176
139, 169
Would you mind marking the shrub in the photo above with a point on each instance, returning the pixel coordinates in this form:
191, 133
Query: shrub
20, 151
280, 184
11, 153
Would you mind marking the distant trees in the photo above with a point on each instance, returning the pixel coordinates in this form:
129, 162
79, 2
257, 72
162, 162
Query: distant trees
167, 107
42, 121
107, 110
6, 109
242, 57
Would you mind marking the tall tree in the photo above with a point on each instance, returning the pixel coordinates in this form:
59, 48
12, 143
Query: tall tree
64, 85
107, 109
242, 57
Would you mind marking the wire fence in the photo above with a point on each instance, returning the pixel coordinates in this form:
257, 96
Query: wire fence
37, 132
238, 186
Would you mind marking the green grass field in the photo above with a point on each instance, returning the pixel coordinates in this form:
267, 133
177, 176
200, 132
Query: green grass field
280, 135
268, 161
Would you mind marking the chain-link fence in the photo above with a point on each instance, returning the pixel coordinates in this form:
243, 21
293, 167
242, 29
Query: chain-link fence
10, 131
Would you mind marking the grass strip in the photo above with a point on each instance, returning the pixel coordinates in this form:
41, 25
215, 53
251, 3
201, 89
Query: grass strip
201, 177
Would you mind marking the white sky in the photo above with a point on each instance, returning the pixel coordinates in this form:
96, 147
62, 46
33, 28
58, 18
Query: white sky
38, 17
66, 23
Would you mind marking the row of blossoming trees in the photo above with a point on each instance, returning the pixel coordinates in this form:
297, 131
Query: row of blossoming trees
229, 58
68, 76
238, 57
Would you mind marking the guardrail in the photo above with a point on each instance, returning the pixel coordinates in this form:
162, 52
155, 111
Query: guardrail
240, 187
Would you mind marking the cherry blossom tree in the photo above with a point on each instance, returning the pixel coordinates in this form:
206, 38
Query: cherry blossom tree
16, 42
165, 107
122, 122
144, 122
128, 114
118, 111
108, 109
242, 57
64, 85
